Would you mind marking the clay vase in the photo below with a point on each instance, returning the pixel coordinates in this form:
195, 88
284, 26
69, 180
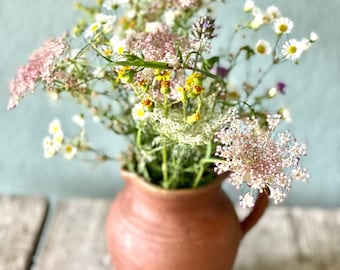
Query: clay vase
149, 228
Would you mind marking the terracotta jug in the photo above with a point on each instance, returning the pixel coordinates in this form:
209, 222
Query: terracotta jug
149, 228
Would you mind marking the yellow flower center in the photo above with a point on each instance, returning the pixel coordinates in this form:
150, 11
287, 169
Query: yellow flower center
261, 49
292, 49
283, 28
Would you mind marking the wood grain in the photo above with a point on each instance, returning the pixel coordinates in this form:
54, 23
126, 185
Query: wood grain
76, 239
21, 221
285, 238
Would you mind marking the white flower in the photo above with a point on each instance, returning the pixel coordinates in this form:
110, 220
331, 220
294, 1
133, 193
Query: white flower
283, 26
305, 44
169, 17
58, 139
247, 201
285, 114
69, 151
263, 47
118, 45
54, 127
273, 12
152, 27
138, 112
49, 150
313, 37
106, 21
292, 49
248, 6
99, 72
112, 4
79, 120
272, 92
92, 29
258, 19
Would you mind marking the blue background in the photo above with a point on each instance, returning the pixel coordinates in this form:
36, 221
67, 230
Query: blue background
313, 97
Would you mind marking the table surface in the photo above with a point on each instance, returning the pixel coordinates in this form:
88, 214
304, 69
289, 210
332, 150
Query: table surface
285, 238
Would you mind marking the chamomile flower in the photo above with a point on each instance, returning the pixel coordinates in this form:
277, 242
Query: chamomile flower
258, 19
248, 6
58, 139
54, 127
273, 12
79, 120
106, 21
138, 112
69, 151
49, 150
92, 29
118, 46
283, 26
263, 47
292, 49
313, 37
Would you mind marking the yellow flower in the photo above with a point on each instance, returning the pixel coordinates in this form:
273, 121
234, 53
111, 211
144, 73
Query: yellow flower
162, 75
194, 118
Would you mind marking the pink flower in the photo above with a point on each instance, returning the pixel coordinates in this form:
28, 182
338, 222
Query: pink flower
39, 66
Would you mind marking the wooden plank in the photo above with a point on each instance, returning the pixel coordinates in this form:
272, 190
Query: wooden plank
285, 238
318, 237
76, 237
21, 221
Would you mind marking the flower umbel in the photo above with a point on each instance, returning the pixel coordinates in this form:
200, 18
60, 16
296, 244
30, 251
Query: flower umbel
256, 160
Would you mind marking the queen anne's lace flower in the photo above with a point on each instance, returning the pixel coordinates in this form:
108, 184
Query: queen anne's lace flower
256, 160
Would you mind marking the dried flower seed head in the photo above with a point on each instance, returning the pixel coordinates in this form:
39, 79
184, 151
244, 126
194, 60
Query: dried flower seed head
204, 28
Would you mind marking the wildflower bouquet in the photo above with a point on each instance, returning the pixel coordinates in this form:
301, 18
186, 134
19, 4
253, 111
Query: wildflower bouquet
145, 70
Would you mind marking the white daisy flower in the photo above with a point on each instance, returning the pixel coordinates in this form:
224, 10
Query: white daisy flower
305, 44
138, 112
292, 49
49, 150
54, 127
107, 22
118, 45
283, 25
113, 4
248, 6
69, 151
92, 29
99, 72
258, 19
273, 12
313, 37
58, 139
263, 47
79, 120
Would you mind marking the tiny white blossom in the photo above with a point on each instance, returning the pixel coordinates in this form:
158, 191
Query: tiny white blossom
169, 17
58, 139
247, 201
283, 25
153, 27
107, 22
69, 151
273, 12
118, 45
285, 114
263, 47
292, 49
49, 150
79, 120
248, 6
54, 127
313, 37
272, 92
258, 19
92, 29
99, 72
138, 112
112, 4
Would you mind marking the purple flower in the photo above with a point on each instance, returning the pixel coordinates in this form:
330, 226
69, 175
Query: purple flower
281, 87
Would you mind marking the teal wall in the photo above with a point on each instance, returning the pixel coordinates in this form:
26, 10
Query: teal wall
313, 97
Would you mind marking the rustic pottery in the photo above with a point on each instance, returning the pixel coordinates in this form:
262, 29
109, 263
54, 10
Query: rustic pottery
149, 228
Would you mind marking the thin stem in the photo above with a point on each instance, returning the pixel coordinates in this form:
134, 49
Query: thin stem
165, 182
202, 165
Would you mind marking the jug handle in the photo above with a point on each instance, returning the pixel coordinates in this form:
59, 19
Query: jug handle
256, 213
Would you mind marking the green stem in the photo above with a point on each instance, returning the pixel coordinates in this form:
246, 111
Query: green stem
164, 164
202, 165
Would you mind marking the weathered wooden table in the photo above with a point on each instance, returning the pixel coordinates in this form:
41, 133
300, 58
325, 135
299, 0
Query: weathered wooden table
73, 237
